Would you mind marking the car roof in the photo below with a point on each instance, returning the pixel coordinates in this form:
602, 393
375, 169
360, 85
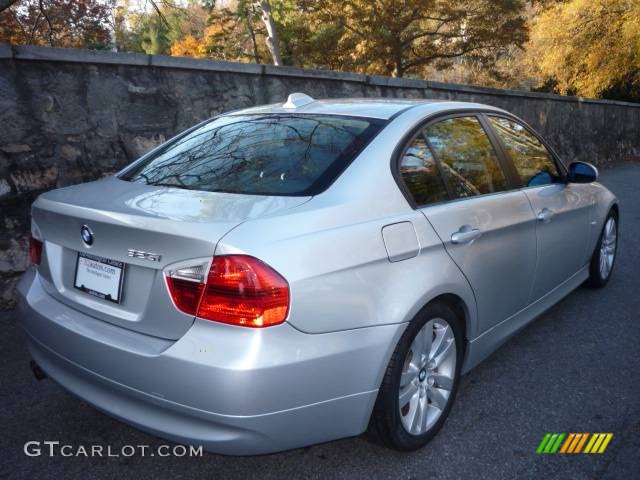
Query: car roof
381, 108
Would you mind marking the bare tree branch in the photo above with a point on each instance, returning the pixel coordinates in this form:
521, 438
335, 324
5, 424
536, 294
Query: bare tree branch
34, 29
44, 14
155, 6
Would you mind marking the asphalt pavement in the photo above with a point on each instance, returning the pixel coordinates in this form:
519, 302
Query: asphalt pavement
575, 369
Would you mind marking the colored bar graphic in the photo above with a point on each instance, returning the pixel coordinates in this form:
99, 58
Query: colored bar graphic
567, 442
543, 443
590, 444
574, 442
581, 443
606, 442
596, 445
598, 442
550, 443
558, 442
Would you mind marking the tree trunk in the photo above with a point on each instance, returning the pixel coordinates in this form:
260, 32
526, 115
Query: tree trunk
252, 33
398, 70
398, 62
272, 40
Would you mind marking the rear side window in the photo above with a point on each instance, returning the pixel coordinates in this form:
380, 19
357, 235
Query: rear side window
283, 154
530, 157
467, 157
421, 174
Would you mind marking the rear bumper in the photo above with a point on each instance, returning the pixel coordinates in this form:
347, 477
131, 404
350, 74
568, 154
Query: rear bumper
232, 390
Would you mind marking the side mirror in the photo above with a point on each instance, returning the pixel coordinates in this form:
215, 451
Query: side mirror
582, 172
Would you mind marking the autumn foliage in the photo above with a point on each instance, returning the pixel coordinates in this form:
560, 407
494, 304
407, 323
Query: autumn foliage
588, 47
578, 47
67, 23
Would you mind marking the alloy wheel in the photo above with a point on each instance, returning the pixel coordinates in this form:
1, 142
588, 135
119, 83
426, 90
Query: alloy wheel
608, 247
427, 376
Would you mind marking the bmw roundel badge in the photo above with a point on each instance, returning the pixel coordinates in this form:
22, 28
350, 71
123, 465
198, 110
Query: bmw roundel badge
87, 235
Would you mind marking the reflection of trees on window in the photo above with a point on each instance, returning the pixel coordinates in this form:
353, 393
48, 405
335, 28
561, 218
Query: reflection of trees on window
461, 184
466, 154
271, 154
420, 173
531, 158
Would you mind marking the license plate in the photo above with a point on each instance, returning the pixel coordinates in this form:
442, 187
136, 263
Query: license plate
100, 277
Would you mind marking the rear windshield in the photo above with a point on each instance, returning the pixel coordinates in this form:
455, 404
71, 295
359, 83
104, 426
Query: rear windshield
284, 154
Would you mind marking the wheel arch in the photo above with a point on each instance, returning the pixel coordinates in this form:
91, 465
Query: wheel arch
458, 305
616, 208
461, 308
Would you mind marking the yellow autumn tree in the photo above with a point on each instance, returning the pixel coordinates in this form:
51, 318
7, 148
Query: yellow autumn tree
588, 47
188, 46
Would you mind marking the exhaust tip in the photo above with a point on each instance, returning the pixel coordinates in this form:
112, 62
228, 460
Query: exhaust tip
37, 371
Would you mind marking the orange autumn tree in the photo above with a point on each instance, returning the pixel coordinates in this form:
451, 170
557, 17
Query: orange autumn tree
189, 46
234, 32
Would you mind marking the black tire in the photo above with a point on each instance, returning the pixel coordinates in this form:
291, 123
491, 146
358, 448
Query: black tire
596, 278
386, 423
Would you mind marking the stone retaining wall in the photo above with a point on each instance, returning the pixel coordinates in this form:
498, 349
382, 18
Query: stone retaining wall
68, 116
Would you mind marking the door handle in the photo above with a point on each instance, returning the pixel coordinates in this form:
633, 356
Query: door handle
466, 234
545, 215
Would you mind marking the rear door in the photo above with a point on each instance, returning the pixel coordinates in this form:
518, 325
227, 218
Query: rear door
562, 210
465, 191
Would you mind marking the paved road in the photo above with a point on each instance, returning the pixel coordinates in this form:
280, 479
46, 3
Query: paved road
576, 369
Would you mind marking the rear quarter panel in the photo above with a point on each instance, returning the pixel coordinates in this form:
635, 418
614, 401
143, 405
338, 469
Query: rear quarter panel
341, 277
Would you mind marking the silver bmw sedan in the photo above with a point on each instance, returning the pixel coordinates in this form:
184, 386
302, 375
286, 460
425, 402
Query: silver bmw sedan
290, 274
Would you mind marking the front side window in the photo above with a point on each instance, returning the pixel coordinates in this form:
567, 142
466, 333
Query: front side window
271, 154
530, 157
467, 156
420, 173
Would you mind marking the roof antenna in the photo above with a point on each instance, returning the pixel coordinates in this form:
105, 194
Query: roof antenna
297, 99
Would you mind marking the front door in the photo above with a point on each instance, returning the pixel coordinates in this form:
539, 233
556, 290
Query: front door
563, 233
562, 210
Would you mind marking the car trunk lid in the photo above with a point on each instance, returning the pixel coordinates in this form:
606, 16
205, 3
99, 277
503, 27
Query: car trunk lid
169, 225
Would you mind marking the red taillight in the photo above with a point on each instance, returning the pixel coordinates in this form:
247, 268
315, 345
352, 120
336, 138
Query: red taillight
239, 289
242, 290
186, 294
35, 250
